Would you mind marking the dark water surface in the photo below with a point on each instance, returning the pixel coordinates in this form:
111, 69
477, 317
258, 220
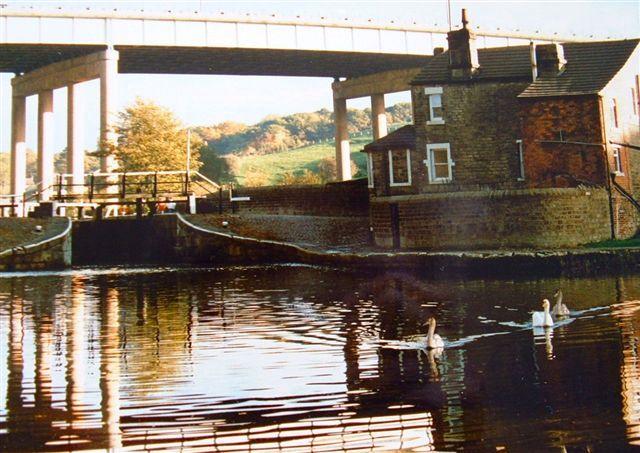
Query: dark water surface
308, 359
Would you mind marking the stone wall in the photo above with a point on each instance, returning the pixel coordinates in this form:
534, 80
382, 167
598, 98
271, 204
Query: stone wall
481, 124
625, 216
350, 198
313, 231
543, 218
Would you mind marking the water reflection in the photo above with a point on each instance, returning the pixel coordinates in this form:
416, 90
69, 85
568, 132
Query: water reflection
627, 315
288, 358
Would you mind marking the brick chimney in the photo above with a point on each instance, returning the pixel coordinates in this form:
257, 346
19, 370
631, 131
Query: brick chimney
550, 59
463, 55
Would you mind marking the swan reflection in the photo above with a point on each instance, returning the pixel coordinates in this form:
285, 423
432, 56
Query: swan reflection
544, 335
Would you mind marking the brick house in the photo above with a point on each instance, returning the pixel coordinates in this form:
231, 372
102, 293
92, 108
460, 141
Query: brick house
525, 146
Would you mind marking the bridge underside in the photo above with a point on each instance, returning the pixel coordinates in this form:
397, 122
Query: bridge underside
22, 58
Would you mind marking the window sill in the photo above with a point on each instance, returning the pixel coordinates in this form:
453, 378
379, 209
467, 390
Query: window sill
441, 181
399, 184
434, 122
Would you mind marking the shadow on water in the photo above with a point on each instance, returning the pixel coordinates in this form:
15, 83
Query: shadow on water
303, 358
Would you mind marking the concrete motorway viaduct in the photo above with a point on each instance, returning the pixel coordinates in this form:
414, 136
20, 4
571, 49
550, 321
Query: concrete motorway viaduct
51, 48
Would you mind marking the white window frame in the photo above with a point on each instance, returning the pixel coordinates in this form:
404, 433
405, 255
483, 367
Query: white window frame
370, 184
634, 102
392, 183
617, 160
434, 92
431, 165
521, 176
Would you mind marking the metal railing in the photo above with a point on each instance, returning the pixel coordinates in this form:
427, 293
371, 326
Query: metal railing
131, 185
111, 189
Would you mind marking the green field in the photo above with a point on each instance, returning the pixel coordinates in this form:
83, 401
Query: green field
268, 169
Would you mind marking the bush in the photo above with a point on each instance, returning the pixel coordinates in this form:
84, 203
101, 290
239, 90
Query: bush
300, 178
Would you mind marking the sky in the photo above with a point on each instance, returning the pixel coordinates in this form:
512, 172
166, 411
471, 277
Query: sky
206, 100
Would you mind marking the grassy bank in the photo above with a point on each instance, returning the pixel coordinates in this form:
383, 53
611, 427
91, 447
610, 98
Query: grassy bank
617, 243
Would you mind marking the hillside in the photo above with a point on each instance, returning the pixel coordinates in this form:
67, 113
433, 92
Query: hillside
297, 148
260, 170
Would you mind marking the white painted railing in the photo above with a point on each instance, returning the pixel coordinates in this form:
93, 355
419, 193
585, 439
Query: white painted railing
45, 26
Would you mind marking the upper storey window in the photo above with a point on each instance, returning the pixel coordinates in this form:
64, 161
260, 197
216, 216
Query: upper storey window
436, 114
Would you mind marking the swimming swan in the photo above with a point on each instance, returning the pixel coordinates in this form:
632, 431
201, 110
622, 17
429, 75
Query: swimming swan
434, 341
542, 318
560, 310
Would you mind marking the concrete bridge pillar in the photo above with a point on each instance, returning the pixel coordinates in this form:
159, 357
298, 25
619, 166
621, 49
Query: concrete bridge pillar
108, 98
18, 145
343, 152
378, 116
75, 145
45, 144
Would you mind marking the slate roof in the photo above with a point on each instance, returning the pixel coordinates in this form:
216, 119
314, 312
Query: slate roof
402, 138
590, 66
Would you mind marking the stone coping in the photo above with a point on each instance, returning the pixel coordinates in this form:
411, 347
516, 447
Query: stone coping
586, 191
38, 246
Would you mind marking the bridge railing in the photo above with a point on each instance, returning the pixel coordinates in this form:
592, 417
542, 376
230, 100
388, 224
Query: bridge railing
131, 185
111, 189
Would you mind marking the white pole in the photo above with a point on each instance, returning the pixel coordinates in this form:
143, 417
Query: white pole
188, 152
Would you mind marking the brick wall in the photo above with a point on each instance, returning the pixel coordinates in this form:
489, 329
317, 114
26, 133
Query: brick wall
563, 165
548, 218
481, 124
350, 198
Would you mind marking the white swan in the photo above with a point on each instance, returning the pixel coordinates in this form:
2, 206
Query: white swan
434, 341
560, 310
542, 318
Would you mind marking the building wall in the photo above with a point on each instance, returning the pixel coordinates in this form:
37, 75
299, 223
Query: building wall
541, 218
628, 131
481, 125
562, 165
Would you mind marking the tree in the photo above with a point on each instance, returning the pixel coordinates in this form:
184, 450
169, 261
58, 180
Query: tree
328, 169
151, 138
91, 163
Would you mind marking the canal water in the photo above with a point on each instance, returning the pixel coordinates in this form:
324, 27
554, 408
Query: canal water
300, 358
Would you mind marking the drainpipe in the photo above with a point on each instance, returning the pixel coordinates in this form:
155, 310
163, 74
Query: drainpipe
534, 62
606, 160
